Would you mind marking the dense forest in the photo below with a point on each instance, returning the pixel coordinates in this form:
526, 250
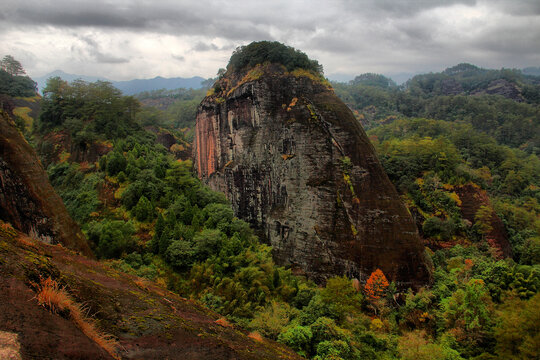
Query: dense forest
443, 140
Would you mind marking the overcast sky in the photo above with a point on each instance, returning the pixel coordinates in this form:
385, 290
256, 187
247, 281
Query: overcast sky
126, 39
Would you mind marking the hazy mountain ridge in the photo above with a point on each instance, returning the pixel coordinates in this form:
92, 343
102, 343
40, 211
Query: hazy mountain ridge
128, 87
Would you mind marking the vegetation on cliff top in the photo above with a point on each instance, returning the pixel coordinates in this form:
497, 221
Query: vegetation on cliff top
251, 62
13, 80
260, 52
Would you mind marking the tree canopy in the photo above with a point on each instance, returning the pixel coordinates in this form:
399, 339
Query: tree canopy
12, 81
12, 66
245, 57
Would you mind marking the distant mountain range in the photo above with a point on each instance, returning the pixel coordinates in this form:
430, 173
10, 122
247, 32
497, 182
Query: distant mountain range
531, 71
129, 87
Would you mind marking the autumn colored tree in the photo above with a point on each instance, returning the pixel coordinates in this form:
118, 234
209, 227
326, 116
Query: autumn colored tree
376, 285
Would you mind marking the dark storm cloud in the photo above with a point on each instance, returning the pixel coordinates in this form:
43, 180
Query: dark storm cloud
519, 8
397, 35
399, 8
158, 17
510, 39
75, 18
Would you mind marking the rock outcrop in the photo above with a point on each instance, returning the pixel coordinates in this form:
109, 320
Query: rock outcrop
27, 199
297, 165
57, 146
503, 88
472, 199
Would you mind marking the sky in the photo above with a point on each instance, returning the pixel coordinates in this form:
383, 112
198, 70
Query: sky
127, 39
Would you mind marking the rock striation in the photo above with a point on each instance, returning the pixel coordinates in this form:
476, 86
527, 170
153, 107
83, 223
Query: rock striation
298, 166
27, 199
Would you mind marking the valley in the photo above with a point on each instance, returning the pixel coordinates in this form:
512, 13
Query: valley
256, 218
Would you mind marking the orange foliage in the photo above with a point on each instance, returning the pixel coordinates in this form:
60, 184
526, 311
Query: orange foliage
223, 322
256, 336
376, 285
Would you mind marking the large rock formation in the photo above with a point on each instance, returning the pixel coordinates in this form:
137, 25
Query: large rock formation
297, 165
27, 199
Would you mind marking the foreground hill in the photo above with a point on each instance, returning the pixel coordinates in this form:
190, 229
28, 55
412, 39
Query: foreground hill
145, 320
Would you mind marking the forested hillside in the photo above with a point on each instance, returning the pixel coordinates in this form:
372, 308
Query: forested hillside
465, 162
501, 103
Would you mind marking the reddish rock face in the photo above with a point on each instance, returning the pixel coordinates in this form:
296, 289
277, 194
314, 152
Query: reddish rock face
27, 199
472, 198
297, 165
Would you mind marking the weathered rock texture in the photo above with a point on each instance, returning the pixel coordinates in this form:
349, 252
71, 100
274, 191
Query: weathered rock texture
503, 88
297, 165
27, 199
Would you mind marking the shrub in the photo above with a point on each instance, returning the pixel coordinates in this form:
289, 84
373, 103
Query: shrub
113, 238
272, 319
180, 254
297, 338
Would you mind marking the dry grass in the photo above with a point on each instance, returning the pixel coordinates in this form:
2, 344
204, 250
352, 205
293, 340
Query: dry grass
223, 322
57, 299
7, 230
256, 336
26, 241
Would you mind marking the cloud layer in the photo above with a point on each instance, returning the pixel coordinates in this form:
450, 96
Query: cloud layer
137, 39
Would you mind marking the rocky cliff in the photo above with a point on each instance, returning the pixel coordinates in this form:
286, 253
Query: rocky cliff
27, 199
297, 165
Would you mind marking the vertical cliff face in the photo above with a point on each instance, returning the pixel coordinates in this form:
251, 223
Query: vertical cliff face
297, 165
27, 199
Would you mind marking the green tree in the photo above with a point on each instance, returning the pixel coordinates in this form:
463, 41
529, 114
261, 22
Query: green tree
12, 66
144, 210
518, 333
297, 338
112, 237
259, 52
468, 318
180, 254
116, 162
341, 297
